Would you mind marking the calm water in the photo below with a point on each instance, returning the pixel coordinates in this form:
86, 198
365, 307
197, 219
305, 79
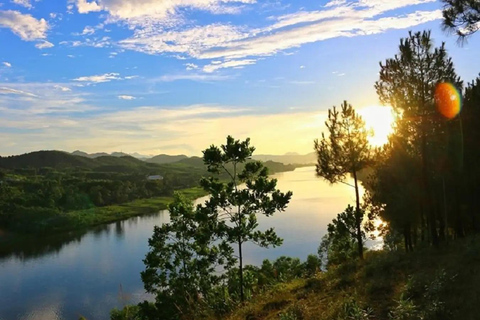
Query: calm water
90, 273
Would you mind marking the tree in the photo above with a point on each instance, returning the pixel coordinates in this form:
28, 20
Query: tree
238, 205
181, 262
461, 17
340, 242
345, 151
407, 83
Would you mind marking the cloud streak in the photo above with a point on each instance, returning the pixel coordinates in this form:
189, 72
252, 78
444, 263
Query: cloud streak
237, 46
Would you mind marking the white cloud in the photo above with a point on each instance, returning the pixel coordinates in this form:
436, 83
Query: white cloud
84, 7
190, 41
95, 42
62, 88
7, 64
44, 44
228, 64
24, 25
126, 97
88, 30
158, 10
99, 78
107, 77
24, 99
24, 3
191, 66
5, 90
191, 77
234, 43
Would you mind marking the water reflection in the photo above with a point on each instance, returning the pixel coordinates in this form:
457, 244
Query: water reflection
63, 277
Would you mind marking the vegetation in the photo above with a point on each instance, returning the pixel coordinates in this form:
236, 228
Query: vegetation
345, 151
426, 284
461, 17
237, 207
423, 185
186, 255
52, 191
414, 170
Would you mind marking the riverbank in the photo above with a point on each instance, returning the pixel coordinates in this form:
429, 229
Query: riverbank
83, 219
103, 215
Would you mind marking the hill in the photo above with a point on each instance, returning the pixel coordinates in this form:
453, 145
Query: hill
40, 159
98, 154
430, 283
289, 158
64, 160
165, 158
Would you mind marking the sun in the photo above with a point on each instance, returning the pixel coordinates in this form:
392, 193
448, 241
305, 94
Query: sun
380, 119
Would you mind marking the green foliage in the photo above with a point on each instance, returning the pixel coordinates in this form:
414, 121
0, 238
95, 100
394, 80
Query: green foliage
414, 168
180, 266
237, 206
345, 151
127, 313
352, 310
461, 17
340, 242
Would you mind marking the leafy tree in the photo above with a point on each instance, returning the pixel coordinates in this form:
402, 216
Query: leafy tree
181, 262
461, 17
407, 83
345, 151
340, 242
238, 201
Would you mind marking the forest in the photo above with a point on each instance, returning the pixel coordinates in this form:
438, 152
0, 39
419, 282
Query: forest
423, 186
52, 191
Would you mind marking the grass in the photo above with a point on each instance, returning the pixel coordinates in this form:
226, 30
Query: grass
427, 284
103, 215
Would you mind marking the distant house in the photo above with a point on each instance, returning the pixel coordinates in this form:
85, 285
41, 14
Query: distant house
155, 177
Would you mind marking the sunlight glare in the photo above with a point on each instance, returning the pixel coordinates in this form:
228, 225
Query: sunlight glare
380, 119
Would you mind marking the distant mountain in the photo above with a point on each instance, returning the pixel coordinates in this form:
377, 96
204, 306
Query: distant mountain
39, 159
165, 158
61, 160
90, 155
288, 158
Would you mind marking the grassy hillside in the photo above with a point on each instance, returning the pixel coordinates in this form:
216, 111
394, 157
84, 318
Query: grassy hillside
427, 284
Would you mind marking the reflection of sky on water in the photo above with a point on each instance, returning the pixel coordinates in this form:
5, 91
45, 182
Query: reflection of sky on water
91, 273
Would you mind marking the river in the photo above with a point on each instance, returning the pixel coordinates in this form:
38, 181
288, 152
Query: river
89, 273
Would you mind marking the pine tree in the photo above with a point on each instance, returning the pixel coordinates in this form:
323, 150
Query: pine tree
345, 151
247, 193
407, 83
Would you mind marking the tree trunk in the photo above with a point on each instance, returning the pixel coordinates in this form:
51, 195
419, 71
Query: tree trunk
358, 220
431, 221
240, 269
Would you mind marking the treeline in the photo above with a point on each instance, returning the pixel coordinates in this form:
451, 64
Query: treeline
423, 184
37, 189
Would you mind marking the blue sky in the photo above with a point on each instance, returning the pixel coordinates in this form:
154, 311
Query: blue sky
156, 76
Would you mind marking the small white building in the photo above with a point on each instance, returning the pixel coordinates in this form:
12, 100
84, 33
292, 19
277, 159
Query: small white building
155, 177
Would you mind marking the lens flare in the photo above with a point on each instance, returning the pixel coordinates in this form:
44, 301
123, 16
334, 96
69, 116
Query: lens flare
448, 100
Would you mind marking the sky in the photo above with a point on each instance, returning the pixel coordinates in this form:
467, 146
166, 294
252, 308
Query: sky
174, 77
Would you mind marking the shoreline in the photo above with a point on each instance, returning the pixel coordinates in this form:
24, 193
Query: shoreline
83, 220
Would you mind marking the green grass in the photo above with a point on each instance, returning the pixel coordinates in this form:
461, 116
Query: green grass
427, 284
108, 214
80, 219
